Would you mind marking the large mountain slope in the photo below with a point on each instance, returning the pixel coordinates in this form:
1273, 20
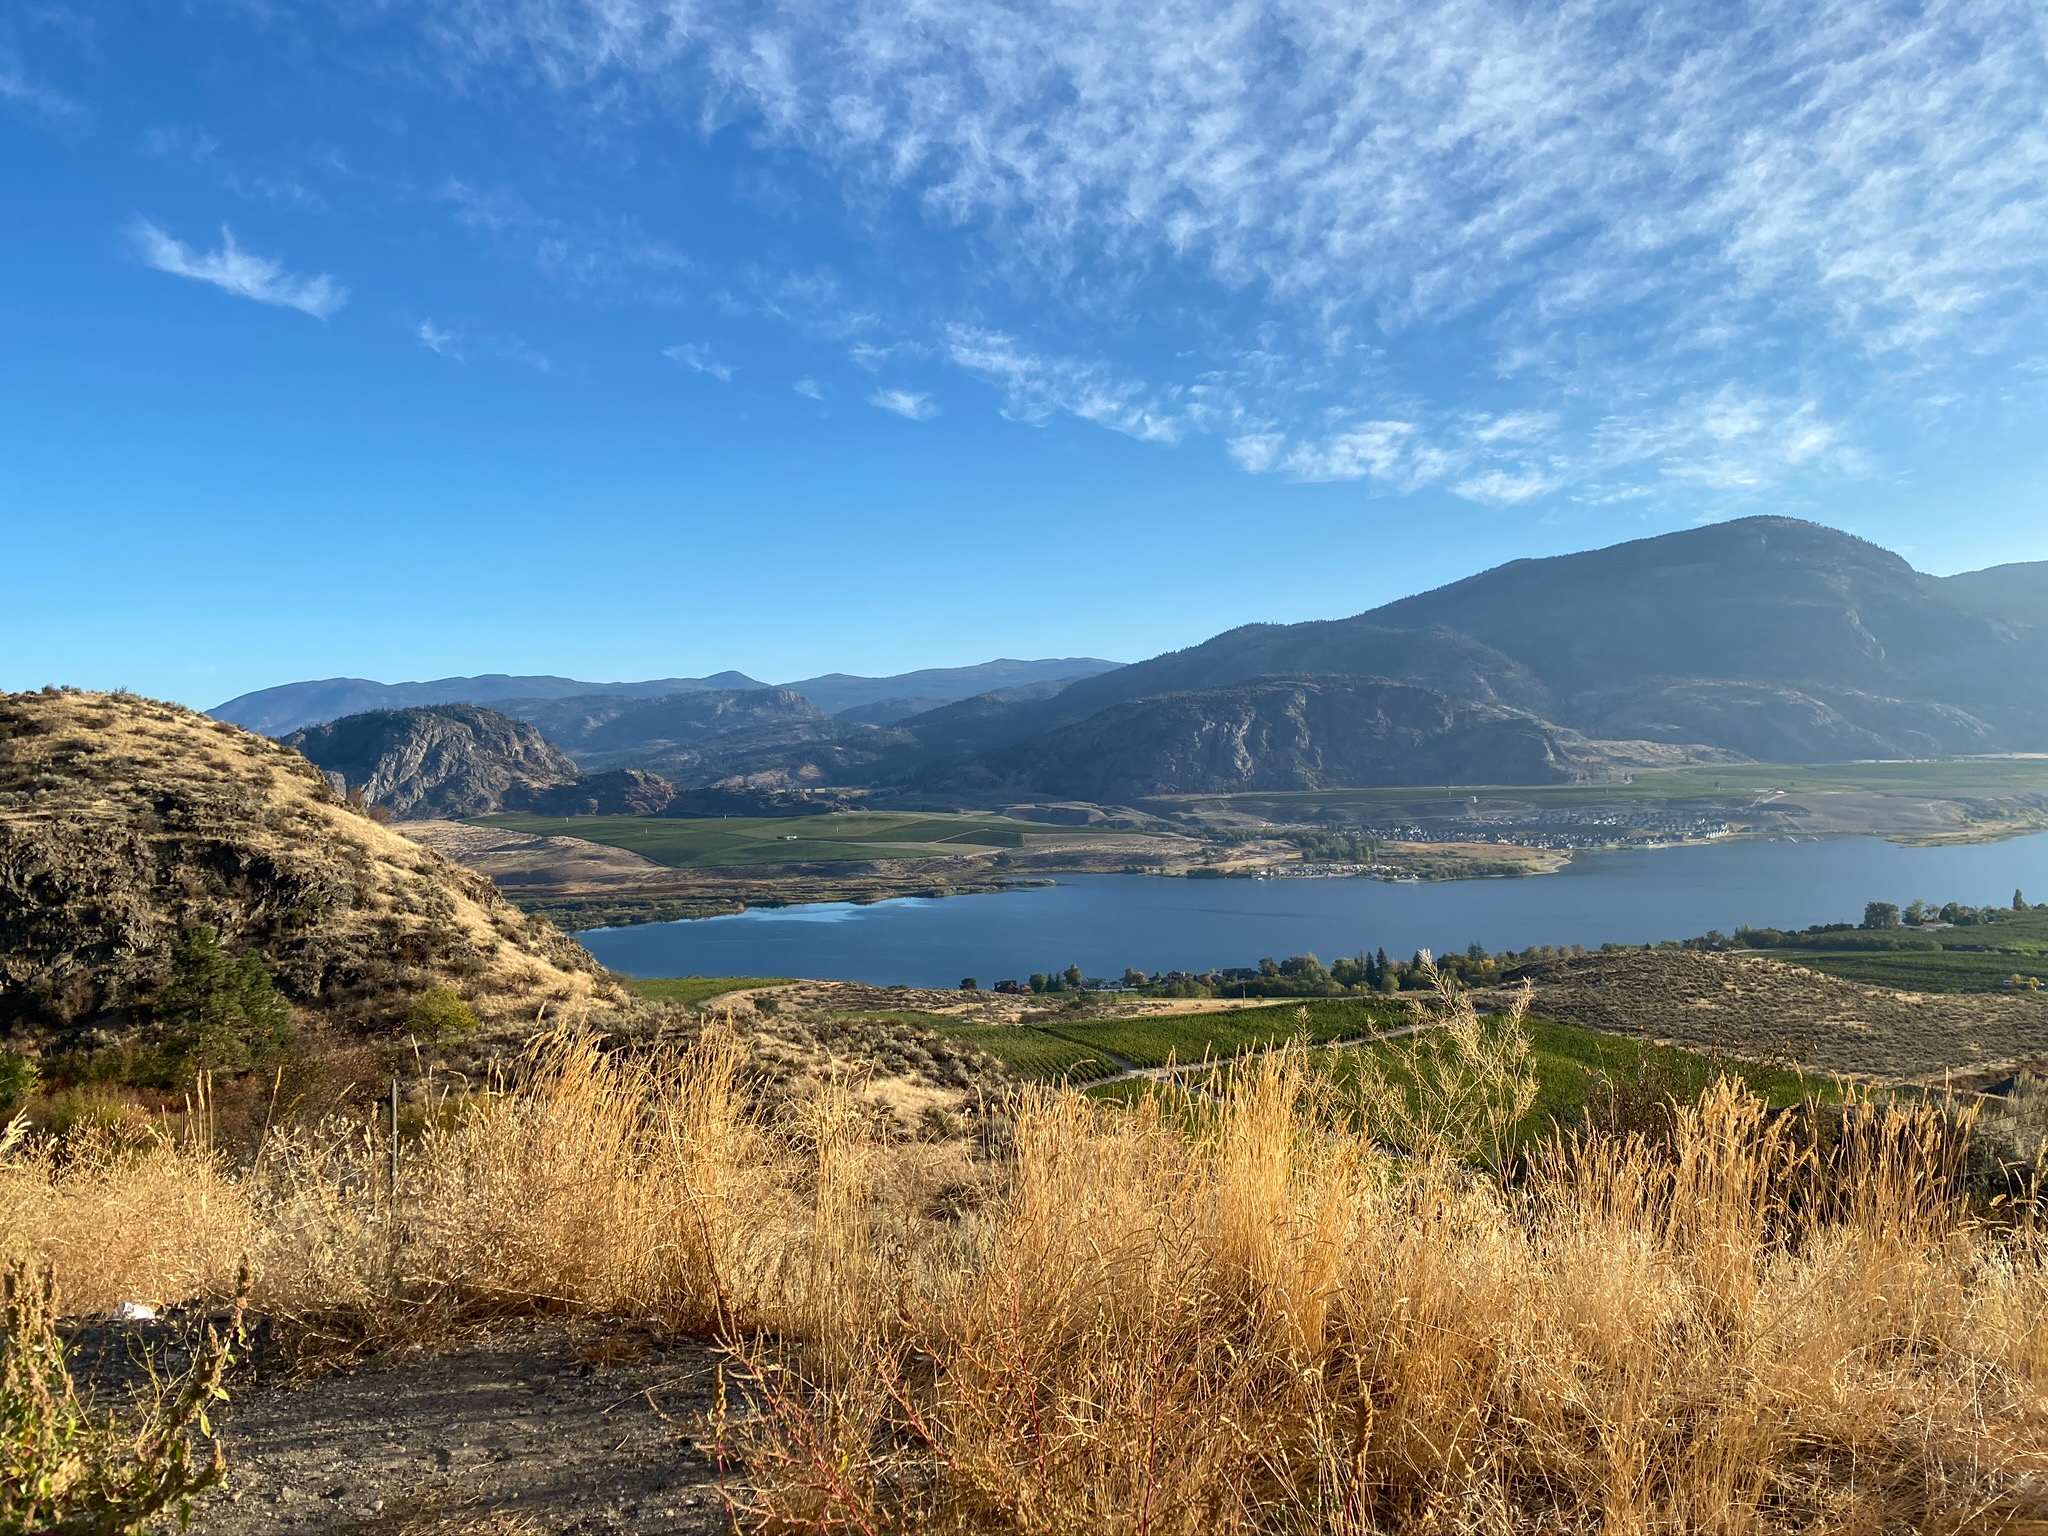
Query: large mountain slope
2015, 594
124, 822
446, 760
1770, 637
1299, 733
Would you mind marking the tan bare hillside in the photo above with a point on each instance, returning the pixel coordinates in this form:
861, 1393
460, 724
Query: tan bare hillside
124, 821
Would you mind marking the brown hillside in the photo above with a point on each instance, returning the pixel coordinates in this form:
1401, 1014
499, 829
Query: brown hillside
123, 821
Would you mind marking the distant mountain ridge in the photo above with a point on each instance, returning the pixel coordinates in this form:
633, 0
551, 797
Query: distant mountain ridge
878, 700
1770, 637
2015, 594
1766, 638
290, 706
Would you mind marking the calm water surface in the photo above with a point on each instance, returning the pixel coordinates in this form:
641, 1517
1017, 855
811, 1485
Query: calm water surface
1105, 922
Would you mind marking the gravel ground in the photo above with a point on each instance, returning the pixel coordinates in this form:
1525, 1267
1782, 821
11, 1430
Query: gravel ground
531, 1428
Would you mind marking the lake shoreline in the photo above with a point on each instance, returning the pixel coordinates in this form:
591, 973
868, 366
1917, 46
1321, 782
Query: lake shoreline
1108, 922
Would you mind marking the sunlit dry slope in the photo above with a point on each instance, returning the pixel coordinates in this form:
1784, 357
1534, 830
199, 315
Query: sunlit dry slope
124, 822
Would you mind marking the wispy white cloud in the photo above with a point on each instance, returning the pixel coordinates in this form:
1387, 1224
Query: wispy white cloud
19, 88
238, 271
443, 343
810, 389
699, 358
1036, 386
1502, 488
513, 350
606, 257
1604, 211
1877, 164
482, 342
907, 403
199, 149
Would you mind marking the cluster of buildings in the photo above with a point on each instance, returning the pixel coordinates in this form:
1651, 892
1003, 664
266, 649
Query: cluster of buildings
1563, 829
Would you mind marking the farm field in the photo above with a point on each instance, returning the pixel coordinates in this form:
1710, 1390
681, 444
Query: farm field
1575, 1068
842, 837
1938, 970
1084, 1049
1977, 957
1736, 783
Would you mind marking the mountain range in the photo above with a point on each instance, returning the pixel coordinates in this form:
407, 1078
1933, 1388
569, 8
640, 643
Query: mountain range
1767, 638
289, 707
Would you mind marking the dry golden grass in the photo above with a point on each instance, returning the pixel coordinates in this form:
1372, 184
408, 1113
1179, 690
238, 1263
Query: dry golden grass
1200, 1314
1195, 1317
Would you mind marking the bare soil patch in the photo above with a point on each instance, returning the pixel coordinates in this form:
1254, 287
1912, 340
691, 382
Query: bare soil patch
536, 1427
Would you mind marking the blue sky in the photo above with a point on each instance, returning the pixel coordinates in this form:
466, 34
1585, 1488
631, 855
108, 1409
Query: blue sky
631, 338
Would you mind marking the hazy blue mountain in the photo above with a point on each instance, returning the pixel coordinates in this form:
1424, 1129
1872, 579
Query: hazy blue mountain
289, 706
2016, 594
878, 700
885, 700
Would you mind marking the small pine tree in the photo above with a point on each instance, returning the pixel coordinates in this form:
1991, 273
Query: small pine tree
2019, 901
19, 1079
220, 1012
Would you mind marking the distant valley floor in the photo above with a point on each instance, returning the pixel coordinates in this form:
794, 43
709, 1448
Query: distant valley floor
592, 871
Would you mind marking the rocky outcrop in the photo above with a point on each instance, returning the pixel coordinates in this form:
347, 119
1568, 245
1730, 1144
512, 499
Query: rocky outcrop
446, 760
621, 792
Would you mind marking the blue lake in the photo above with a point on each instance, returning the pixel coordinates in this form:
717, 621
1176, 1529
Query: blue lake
1106, 922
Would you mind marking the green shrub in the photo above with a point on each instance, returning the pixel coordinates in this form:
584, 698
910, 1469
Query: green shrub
19, 1079
439, 1013
220, 1012
97, 1110
64, 1469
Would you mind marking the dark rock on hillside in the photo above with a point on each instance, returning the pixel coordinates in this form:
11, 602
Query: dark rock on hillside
124, 822
621, 792
1302, 733
448, 760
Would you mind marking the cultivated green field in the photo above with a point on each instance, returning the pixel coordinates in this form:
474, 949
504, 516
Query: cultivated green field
729, 841
1576, 1070
1737, 783
1979, 957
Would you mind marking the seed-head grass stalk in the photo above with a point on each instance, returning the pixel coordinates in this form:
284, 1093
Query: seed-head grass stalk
1235, 1313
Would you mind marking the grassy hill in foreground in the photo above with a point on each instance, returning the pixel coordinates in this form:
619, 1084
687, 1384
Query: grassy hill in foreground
125, 823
